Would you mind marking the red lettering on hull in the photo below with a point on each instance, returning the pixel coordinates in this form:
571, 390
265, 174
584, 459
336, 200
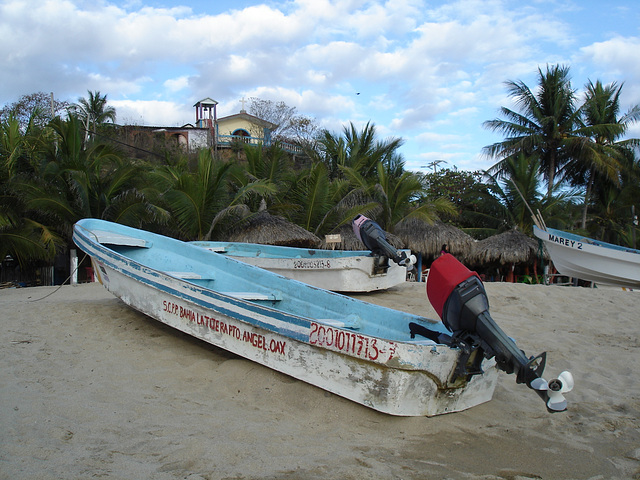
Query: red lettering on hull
351, 343
256, 340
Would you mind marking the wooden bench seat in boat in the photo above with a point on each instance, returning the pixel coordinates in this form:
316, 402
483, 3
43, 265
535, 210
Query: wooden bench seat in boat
351, 321
270, 297
111, 238
187, 275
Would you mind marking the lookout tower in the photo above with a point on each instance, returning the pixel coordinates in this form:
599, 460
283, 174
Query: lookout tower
206, 113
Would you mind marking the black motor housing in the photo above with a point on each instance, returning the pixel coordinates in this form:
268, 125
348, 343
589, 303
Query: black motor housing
374, 238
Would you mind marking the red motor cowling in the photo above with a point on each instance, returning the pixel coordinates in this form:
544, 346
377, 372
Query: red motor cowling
445, 275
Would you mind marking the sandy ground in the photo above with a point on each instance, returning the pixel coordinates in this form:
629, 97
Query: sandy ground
89, 388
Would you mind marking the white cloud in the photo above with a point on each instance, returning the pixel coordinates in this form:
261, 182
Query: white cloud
305, 101
422, 68
152, 112
337, 57
177, 84
619, 54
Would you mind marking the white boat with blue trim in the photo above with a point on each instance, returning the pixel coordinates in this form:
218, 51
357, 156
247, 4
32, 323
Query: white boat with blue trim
336, 270
391, 361
592, 260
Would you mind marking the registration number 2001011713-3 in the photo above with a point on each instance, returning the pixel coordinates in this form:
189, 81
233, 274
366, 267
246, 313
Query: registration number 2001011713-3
350, 343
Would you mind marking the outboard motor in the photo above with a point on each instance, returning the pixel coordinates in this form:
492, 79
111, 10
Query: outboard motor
459, 298
373, 237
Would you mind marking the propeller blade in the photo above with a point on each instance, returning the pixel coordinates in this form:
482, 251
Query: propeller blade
556, 402
567, 381
539, 384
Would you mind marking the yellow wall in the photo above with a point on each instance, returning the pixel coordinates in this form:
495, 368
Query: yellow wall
227, 127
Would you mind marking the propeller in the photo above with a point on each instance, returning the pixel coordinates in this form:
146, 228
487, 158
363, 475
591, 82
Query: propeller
557, 388
554, 390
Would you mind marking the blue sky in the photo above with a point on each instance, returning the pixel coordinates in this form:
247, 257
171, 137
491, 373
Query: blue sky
428, 72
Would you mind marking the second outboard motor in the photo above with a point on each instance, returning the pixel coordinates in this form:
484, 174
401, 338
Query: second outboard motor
374, 238
459, 298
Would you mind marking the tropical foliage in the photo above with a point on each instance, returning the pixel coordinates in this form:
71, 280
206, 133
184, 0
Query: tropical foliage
93, 112
572, 146
544, 128
569, 161
517, 189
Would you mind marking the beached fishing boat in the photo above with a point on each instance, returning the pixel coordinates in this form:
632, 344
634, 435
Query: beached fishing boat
391, 361
587, 259
336, 270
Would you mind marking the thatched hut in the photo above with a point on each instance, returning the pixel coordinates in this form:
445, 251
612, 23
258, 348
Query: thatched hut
270, 229
506, 249
427, 239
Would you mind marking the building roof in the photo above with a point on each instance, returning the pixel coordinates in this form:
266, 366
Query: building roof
249, 118
206, 101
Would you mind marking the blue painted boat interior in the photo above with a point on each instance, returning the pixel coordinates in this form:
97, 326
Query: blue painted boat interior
238, 249
220, 273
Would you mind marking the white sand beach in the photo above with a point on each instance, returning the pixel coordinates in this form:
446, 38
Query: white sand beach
90, 388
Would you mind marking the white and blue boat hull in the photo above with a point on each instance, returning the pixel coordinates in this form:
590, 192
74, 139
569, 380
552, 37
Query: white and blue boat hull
330, 341
587, 259
335, 270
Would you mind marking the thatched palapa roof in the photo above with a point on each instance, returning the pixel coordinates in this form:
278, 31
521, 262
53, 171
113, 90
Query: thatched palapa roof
428, 239
508, 247
270, 229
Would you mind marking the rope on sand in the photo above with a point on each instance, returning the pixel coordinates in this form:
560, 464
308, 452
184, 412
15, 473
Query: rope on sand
65, 281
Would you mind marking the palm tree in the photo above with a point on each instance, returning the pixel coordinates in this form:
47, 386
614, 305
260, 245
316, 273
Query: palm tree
18, 148
612, 204
602, 156
368, 176
272, 166
358, 150
22, 235
517, 189
394, 195
73, 183
320, 204
435, 164
25, 239
193, 197
93, 111
200, 199
544, 127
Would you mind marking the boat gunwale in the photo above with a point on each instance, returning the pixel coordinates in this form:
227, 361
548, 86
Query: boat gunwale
571, 260
318, 252
204, 292
251, 306
592, 246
